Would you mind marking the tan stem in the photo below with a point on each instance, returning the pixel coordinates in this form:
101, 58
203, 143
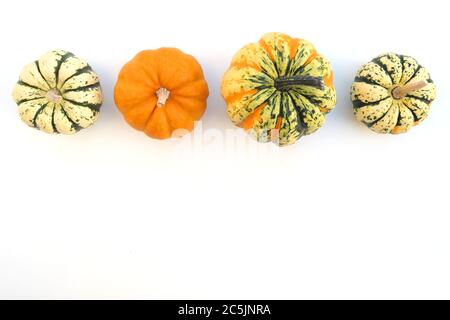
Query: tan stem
54, 95
162, 94
401, 91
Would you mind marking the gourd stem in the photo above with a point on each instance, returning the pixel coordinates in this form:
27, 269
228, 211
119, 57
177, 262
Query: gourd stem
162, 94
286, 83
401, 91
54, 95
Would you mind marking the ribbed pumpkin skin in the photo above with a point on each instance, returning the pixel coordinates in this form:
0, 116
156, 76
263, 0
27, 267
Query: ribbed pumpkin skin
136, 89
371, 94
76, 84
270, 114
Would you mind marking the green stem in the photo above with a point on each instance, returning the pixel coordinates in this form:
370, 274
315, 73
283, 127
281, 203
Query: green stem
286, 83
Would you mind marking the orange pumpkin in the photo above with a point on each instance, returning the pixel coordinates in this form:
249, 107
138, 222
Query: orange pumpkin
160, 91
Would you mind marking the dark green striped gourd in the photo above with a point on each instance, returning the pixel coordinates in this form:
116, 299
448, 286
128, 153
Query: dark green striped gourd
59, 93
279, 89
392, 93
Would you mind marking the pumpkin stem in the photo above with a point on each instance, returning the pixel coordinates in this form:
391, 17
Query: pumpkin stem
162, 94
54, 95
286, 83
401, 91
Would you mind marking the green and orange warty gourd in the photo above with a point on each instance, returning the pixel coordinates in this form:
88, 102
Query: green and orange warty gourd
279, 89
392, 93
59, 93
161, 91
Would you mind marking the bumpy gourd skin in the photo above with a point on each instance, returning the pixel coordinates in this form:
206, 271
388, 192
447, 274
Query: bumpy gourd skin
255, 103
59, 93
373, 101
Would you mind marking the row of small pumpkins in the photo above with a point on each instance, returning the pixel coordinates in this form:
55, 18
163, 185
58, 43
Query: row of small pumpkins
278, 89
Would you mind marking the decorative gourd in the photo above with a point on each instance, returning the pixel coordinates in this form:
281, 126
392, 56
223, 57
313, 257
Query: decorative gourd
59, 93
279, 89
392, 93
160, 91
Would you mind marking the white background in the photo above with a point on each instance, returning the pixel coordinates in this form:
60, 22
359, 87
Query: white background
111, 213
